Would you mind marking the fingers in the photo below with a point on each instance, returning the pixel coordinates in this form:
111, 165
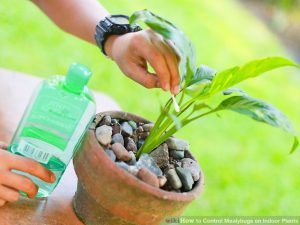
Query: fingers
29, 166
172, 63
159, 64
3, 145
144, 78
164, 61
19, 182
8, 194
2, 202
132, 51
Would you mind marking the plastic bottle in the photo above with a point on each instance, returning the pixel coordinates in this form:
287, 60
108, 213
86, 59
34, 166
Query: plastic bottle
54, 123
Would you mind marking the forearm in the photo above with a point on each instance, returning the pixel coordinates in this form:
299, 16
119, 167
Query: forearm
77, 17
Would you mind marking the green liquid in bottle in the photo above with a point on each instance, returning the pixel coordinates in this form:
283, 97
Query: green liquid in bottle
54, 124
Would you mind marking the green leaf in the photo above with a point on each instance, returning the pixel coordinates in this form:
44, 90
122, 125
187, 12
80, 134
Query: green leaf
234, 90
235, 75
174, 37
295, 145
200, 106
260, 111
202, 73
176, 121
200, 81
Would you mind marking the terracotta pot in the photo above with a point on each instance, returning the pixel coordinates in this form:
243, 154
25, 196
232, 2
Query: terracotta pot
106, 194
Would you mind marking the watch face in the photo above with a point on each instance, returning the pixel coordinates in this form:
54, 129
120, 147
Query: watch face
119, 20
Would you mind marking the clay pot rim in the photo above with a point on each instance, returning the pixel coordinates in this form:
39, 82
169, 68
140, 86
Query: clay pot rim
129, 179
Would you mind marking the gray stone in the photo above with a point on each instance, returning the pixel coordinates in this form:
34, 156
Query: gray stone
116, 128
132, 124
176, 154
130, 145
193, 166
114, 121
127, 130
148, 127
140, 129
117, 138
140, 143
161, 155
186, 178
105, 121
135, 136
148, 177
174, 179
144, 135
147, 161
103, 134
162, 181
133, 170
122, 165
121, 152
177, 144
110, 154
133, 159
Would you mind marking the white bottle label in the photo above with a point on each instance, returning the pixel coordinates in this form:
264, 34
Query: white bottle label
33, 152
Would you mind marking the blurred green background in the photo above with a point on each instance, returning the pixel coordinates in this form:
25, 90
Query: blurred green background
247, 168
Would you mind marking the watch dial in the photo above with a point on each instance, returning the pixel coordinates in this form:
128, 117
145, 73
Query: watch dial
119, 20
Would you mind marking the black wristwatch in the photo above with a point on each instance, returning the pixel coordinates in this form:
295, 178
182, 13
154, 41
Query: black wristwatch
113, 25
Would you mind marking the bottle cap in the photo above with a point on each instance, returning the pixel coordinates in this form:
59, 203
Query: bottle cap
77, 77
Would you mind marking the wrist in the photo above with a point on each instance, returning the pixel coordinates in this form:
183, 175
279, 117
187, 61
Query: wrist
111, 27
108, 45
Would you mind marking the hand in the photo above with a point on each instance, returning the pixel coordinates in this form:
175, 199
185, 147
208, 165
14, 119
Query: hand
11, 183
132, 51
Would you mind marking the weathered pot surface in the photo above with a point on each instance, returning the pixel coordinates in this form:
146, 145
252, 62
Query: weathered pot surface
107, 194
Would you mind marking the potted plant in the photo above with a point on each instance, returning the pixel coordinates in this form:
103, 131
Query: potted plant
132, 171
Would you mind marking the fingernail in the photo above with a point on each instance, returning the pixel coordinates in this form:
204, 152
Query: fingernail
53, 178
167, 87
176, 90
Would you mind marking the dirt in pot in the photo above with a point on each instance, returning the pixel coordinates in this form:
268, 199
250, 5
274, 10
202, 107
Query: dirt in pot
170, 166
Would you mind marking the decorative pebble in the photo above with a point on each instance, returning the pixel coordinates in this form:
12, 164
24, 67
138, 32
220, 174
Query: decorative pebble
116, 128
110, 154
186, 178
140, 129
121, 152
126, 129
103, 134
135, 136
114, 121
132, 124
105, 121
148, 127
133, 159
144, 135
148, 177
140, 143
162, 181
193, 166
177, 144
147, 161
133, 170
176, 154
161, 155
117, 138
130, 145
122, 165
174, 179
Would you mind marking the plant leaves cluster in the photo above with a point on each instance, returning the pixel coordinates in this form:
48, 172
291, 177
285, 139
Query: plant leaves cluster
199, 85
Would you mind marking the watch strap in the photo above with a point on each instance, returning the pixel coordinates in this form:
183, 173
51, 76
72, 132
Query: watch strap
106, 28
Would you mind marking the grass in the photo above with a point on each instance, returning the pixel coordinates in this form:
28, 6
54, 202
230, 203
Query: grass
248, 170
